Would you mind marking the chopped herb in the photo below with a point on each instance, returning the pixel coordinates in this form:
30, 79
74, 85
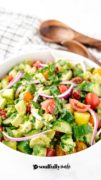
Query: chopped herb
67, 116
27, 76
81, 130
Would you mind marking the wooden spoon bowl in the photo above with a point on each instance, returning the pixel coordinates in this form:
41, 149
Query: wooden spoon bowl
78, 48
56, 31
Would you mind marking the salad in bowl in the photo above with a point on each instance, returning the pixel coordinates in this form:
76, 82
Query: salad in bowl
50, 109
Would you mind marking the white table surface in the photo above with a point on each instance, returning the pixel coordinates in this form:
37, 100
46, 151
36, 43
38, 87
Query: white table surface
83, 15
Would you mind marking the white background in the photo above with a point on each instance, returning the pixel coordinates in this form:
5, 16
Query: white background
84, 15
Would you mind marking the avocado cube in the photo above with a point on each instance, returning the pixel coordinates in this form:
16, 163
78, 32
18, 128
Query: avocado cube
21, 107
39, 151
38, 124
26, 127
4, 82
10, 144
2, 102
17, 120
8, 93
13, 73
62, 126
42, 140
67, 143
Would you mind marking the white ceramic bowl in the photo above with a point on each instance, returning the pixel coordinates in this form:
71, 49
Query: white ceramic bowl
15, 165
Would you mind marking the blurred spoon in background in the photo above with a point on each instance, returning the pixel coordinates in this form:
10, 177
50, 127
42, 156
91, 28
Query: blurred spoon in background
56, 31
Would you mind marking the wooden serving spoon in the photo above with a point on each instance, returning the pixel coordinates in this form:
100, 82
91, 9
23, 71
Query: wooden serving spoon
78, 48
56, 31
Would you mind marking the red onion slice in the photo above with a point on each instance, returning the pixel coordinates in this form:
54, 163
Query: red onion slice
24, 138
96, 120
41, 65
18, 90
16, 79
66, 94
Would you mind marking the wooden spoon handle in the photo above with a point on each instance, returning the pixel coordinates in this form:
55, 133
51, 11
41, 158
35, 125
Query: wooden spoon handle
88, 40
78, 48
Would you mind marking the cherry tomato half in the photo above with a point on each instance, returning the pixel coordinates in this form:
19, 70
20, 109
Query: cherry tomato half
50, 152
62, 88
93, 100
3, 114
48, 105
77, 80
76, 94
78, 106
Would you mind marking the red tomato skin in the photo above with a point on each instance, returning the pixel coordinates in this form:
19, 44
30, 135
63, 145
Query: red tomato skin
1, 128
78, 106
76, 94
93, 100
50, 152
3, 114
36, 64
99, 125
28, 108
10, 78
48, 105
62, 88
77, 80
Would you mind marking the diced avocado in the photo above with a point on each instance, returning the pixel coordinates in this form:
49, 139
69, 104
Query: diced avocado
7, 121
67, 143
97, 89
78, 71
39, 151
32, 132
43, 140
10, 110
8, 93
13, 73
87, 75
96, 78
25, 127
2, 102
27, 68
11, 144
66, 75
33, 70
51, 134
38, 124
24, 147
88, 138
17, 120
40, 77
21, 66
16, 133
48, 117
4, 82
62, 126
68, 107
21, 107
63, 65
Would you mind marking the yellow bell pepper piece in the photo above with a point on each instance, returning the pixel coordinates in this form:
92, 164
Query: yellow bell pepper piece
97, 71
81, 118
